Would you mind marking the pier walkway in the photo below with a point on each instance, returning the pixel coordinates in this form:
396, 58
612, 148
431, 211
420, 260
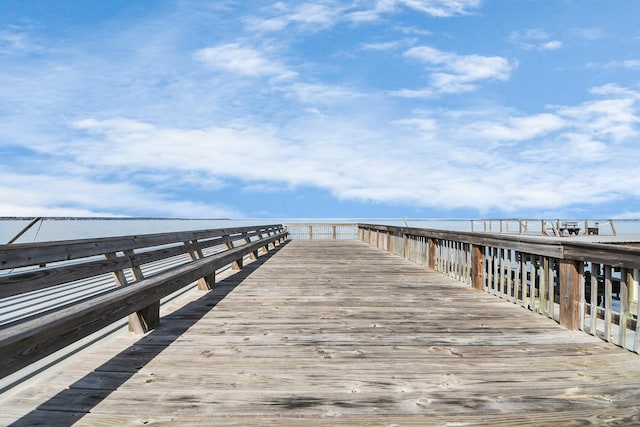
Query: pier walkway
340, 332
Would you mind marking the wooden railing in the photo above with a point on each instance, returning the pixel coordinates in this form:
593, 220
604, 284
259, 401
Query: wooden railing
588, 286
544, 227
322, 231
143, 269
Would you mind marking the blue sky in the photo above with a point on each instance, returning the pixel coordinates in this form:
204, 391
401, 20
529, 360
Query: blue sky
381, 108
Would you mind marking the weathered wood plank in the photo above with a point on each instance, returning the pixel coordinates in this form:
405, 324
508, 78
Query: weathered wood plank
24, 342
330, 333
25, 254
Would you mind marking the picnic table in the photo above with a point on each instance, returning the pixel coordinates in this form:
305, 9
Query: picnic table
571, 227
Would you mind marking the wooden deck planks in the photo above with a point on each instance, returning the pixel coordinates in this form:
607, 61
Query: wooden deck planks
333, 333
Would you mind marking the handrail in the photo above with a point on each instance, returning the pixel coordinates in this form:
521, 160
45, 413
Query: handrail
24, 254
322, 231
582, 285
138, 283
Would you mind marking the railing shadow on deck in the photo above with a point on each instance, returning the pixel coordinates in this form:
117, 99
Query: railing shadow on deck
86, 393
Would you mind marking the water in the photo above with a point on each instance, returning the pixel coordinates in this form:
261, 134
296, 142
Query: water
52, 229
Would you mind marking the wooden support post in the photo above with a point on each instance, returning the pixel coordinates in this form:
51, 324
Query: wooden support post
624, 309
237, 264
148, 318
335, 234
431, 254
118, 275
310, 232
264, 249
204, 283
569, 295
254, 254
135, 270
406, 246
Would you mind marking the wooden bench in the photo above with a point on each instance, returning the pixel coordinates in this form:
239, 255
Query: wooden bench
186, 257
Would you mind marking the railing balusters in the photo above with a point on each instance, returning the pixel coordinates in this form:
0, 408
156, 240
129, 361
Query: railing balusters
563, 281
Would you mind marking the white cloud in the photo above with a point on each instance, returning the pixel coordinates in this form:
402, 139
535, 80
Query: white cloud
311, 16
242, 60
486, 160
631, 64
55, 195
551, 45
316, 93
454, 73
589, 33
614, 119
439, 8
517, 128
534, 39
382, 45
152, 134
436, 8
327, 13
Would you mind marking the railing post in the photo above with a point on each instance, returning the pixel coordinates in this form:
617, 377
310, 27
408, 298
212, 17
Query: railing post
477, 263
310, 232
431, 254
569, 294
334, 233
406, 246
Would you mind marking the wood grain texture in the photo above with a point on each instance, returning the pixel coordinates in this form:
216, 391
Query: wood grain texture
341, 333
24, 342
26, 254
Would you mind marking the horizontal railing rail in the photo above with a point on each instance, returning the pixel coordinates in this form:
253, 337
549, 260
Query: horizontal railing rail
588, 286
141, 270
322, 231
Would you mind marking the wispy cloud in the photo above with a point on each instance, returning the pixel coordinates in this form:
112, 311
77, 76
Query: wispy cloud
589, 33
534, 39
242, 60
309, 16
54, 195
454, 73
382, 46
158, 119
324, 14
630, 64
511, 161
436, 8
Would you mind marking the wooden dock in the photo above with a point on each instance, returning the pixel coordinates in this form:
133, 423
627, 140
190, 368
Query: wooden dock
340, 332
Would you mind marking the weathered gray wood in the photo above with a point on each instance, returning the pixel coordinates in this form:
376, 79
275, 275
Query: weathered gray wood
42, 278
312, 337
569, 293
608, 302
519, 243
25, 254
24, 342
624, 308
